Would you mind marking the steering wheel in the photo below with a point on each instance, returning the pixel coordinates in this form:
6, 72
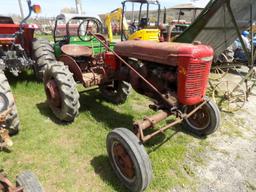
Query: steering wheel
87, 27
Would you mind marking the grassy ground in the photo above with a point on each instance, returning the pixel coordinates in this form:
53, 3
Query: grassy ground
73, 157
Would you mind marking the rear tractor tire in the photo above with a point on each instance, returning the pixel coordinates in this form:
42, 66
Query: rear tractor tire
61, 92
205, 121
43, 55
116, 92
12, 120
29, 182
129, 159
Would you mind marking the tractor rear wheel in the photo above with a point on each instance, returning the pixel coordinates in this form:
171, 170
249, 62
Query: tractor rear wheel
29, 182
116, 92
129, 159
12, 120
203, 122
61, 92
43, 54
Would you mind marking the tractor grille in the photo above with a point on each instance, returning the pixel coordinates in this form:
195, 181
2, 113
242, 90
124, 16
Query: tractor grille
195, 79
192, 80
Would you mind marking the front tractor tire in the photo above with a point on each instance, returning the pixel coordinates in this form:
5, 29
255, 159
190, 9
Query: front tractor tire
203, 122
115, 92
129, 159
61, 92
29, 182
43, 55
12, 120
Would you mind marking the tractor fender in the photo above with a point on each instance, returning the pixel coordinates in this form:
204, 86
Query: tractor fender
73, 67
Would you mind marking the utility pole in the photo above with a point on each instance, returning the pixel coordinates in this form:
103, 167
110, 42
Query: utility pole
21, 9
79, 7
132, 12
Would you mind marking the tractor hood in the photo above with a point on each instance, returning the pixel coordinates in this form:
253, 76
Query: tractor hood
165, 53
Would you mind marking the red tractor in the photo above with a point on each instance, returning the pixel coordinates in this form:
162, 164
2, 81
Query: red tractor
173, 75
19, 49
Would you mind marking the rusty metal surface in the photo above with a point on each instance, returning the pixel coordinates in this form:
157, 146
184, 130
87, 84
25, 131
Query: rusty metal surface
52, 92
6, 185
200, 119
76, 50
179, 118
123, 161
91, 79
73, 67
164, 53
149, 122
167, 101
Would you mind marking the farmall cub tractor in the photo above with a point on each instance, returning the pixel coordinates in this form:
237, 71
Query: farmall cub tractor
19, 49
173, 75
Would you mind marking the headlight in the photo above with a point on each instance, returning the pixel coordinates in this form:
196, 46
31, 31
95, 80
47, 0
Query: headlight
3, 102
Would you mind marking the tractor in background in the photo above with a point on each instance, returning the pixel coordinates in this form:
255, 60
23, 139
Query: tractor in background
140, 25
173, 75
19, 50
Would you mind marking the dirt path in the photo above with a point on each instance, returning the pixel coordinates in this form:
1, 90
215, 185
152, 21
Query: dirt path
231, 154
227, 159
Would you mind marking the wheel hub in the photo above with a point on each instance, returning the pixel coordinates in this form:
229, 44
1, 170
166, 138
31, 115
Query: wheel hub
201, 119
52, 92
123, 161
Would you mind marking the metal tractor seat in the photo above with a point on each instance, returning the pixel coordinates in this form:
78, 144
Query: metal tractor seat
76, 50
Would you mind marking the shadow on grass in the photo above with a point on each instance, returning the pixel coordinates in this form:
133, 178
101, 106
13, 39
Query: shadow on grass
159, 140
25, 76
93, 103
46, 111
103, 168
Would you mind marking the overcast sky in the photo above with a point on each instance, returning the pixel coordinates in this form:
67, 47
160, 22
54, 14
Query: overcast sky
53, 7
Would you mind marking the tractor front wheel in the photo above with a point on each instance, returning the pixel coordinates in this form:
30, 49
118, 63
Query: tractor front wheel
12, 120
29, 182
115, 92
43, 54
129, 159
203, 122
61, 92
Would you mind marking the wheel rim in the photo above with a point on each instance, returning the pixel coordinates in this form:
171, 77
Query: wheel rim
123, 162
200, 120
229, 96
53, 94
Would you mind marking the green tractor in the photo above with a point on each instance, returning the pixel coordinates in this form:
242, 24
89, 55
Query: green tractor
73, 31
84, 55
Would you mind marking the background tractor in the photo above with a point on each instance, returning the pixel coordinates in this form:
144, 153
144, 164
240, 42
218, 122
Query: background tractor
141, 25
173, 75
19, 49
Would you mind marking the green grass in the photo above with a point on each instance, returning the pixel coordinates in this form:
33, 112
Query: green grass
73, 157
